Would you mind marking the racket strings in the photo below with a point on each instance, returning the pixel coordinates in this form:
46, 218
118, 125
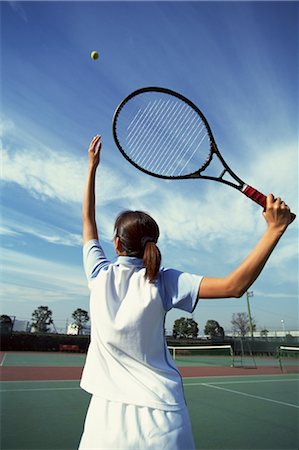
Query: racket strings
196, 148
181, 156
168, 140
150, 131
139, 120
150, 128
163, 135
180, 134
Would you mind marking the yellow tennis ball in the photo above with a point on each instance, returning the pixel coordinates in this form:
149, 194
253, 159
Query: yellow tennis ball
94, 55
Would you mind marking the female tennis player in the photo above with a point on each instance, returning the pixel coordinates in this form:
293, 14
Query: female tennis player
137, 393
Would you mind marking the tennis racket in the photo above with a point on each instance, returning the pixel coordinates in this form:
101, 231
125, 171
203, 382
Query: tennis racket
165, 135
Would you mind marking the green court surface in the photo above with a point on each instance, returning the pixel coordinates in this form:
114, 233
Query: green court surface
240, 412
27, 359
226, 361
245, 412
50, 359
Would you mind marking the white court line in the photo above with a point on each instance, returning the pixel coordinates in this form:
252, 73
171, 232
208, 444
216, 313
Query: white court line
38, 381
41, 389
249, 395
185, 384
242, 382
3, 359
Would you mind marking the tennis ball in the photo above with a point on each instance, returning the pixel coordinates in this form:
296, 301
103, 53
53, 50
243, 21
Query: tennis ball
94, 55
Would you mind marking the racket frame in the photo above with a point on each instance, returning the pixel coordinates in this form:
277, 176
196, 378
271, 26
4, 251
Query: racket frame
213, 146
246, 189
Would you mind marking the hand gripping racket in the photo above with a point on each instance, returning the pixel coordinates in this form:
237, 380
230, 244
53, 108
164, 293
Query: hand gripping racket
165, 135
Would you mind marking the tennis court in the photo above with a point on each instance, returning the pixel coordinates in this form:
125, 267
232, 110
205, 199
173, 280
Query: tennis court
250, 411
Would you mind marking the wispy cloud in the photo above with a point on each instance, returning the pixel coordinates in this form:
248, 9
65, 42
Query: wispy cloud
6, 126
36, 278
44, 174
19, 10
284, 253
276, 295
19, 224
187, 212
6, 231
50, 174
204, 226
276, 170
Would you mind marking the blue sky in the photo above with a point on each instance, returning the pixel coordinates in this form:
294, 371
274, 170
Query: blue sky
238, 61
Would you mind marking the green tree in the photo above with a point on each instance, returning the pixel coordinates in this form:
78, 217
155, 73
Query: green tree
213, 329
80, 317
241, 325
185, 328
42, 319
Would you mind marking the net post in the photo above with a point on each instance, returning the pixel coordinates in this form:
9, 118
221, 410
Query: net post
287, 354
232, 355
172, 351
279, 358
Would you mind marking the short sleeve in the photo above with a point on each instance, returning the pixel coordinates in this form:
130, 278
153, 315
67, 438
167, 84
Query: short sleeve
94, 259
179, 289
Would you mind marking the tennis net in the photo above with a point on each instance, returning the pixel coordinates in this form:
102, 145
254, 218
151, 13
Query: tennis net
204, 355
288, 359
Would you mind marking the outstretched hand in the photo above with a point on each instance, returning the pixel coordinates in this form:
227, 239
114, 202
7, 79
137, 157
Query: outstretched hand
277, 213
94, 151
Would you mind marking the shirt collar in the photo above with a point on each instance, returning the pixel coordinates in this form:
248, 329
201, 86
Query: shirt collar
129, 261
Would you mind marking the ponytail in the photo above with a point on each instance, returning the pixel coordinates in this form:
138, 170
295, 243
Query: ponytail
138, 234
151, 260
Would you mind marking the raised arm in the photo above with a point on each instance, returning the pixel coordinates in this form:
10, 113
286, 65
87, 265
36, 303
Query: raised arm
90, 230
278, 217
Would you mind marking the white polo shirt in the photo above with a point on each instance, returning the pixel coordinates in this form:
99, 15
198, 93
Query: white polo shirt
128, 360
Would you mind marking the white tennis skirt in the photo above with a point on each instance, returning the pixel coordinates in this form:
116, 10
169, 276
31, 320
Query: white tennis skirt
118, 426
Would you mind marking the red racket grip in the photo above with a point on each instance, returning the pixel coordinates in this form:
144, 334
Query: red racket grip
255, 195
259, 198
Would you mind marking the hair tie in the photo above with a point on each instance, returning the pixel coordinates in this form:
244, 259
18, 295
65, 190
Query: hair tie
146, 239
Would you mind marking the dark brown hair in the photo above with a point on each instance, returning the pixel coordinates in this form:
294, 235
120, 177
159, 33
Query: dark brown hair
138, 233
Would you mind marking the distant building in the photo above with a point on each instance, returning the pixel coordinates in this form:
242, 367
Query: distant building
73, 329
278, 333
21, 325
270, 334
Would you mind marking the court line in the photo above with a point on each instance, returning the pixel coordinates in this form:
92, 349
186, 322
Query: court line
185, 384
41, 389
250, 395
243, 382
71, 388
3, 359
38, 381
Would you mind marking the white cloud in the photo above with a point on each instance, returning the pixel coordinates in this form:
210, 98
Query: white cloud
284, 253
28, 282
48, 174
276, 171
18, 224
192, 213
195, 217
32, 278
19, 10
5, 231
69, 240
44, 173
6, 125
276, 295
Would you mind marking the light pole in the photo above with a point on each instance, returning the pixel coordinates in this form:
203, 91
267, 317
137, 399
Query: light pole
249, 294
283, 327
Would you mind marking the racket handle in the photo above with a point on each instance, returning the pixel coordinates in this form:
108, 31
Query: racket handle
259, 198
